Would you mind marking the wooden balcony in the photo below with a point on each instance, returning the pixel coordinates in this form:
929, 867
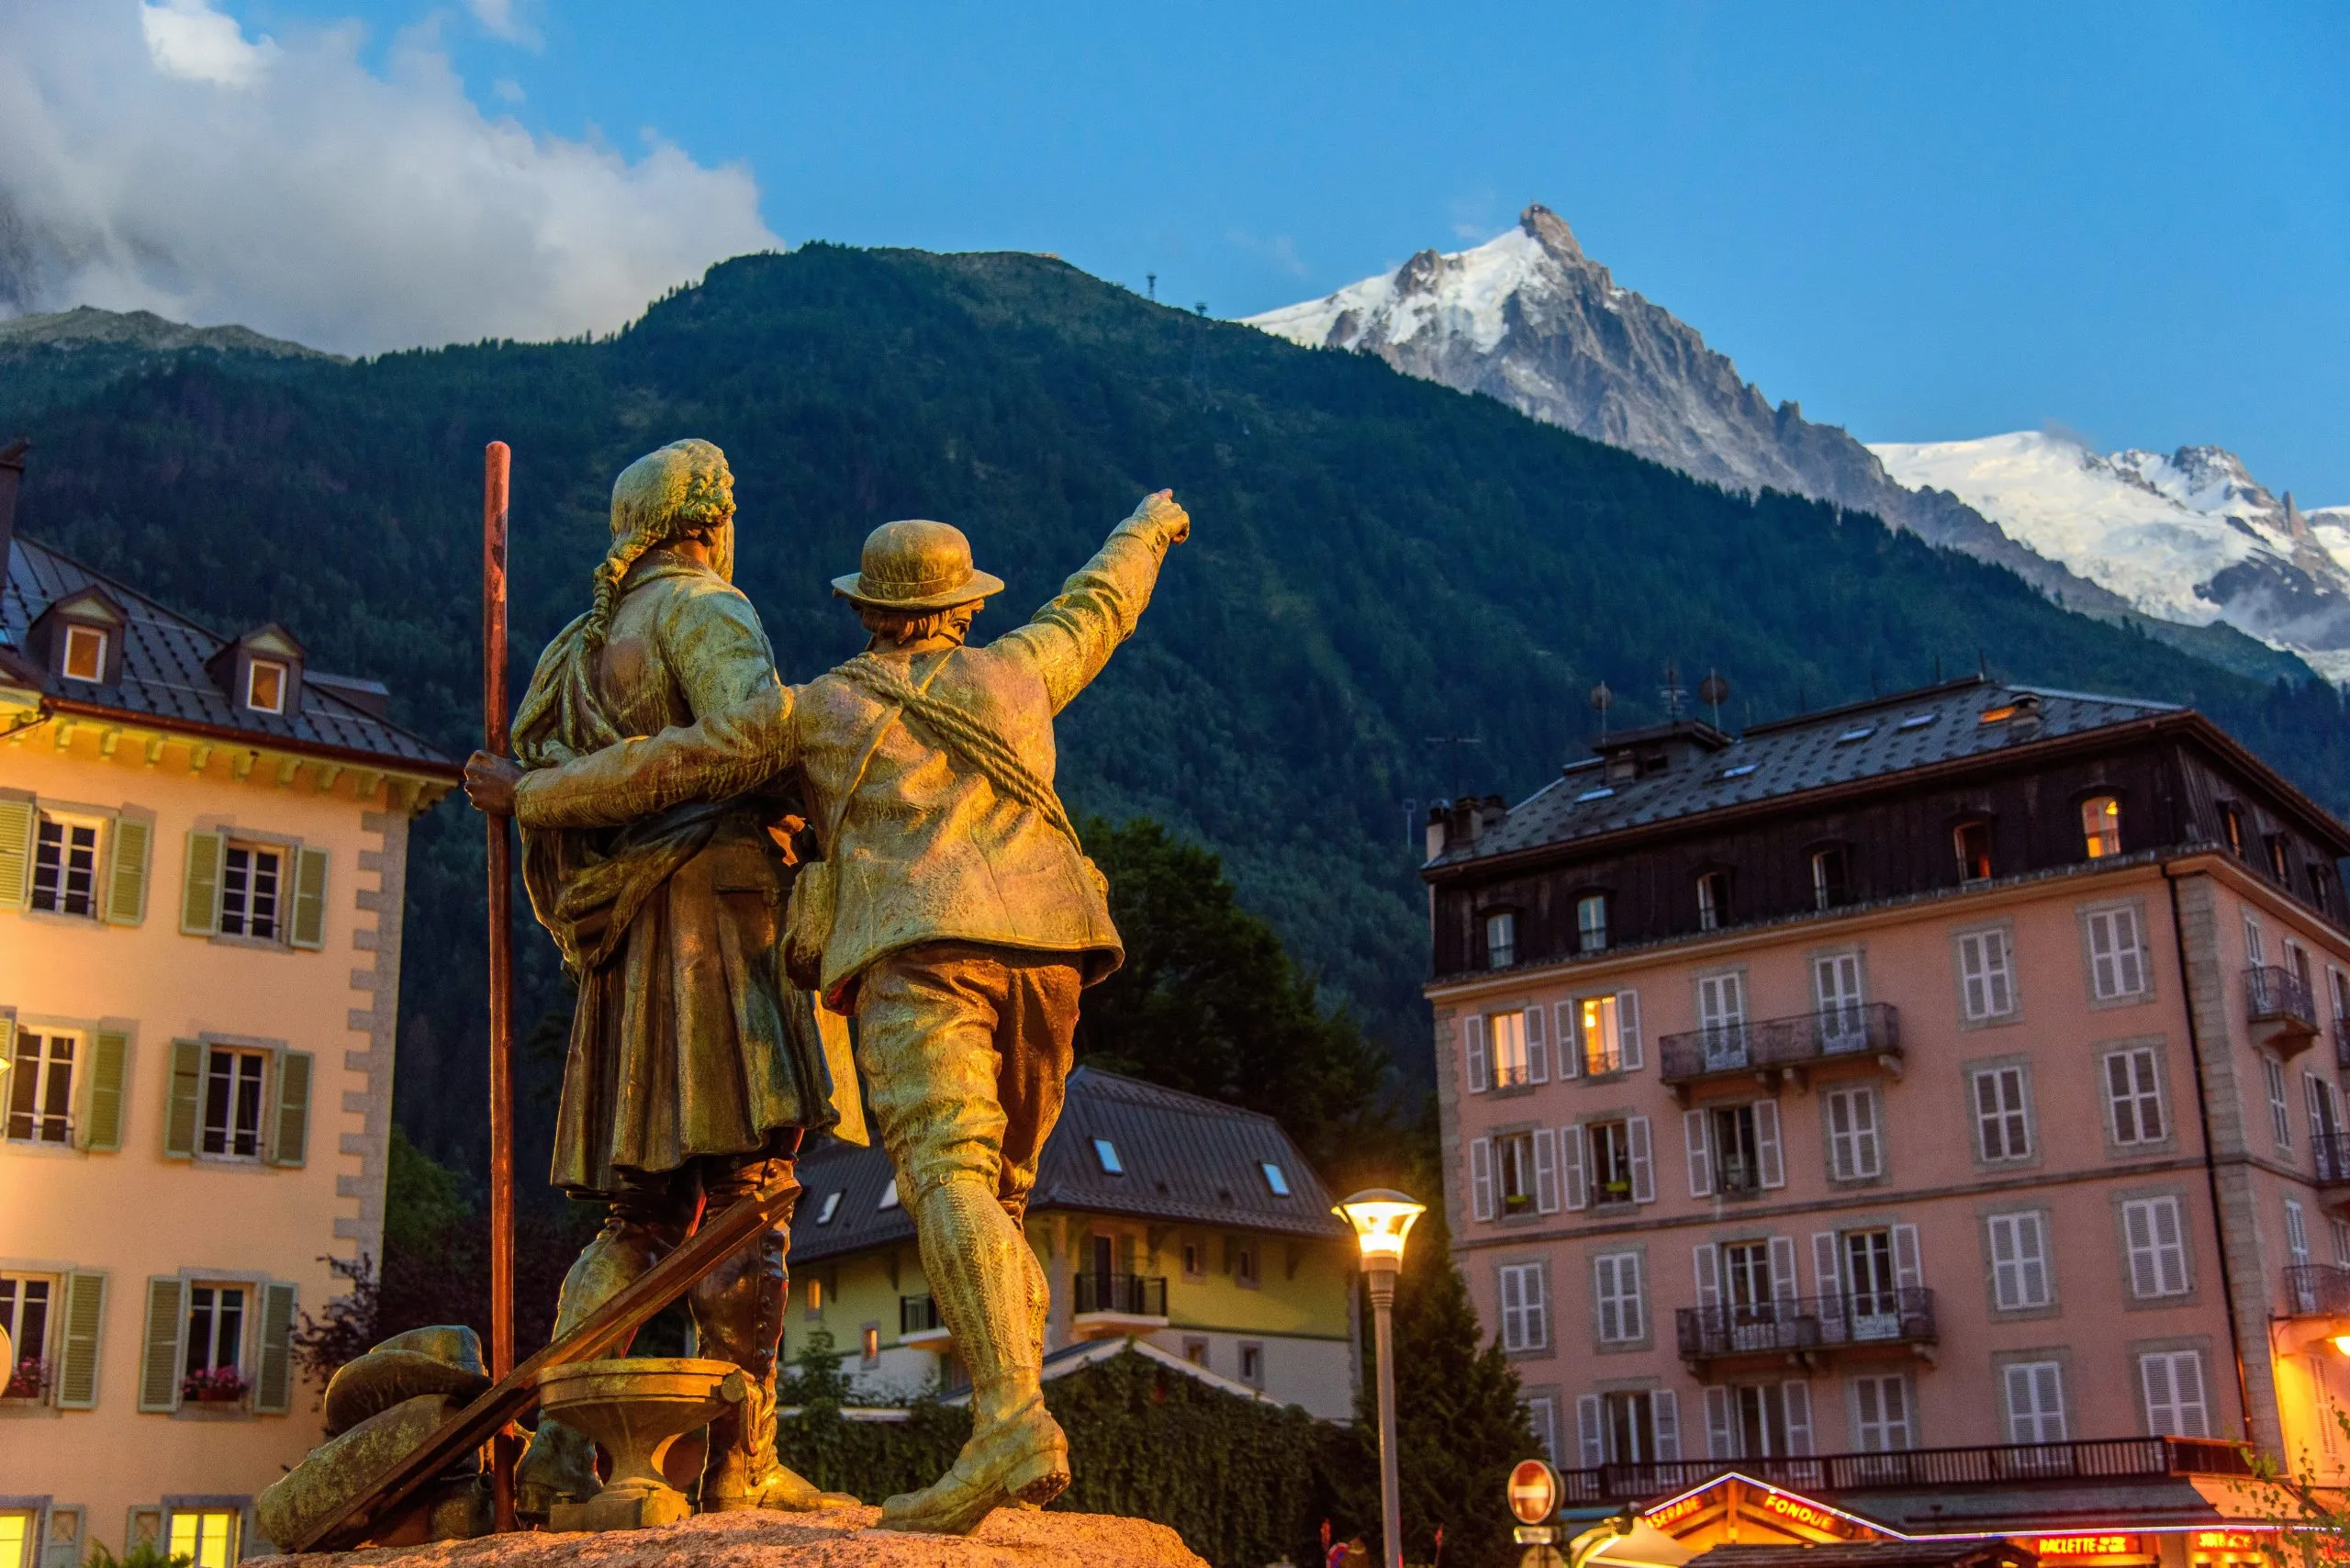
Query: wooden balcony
1770, 1048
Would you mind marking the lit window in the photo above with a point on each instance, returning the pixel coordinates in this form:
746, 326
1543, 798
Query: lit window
65, 867
1501, 939
2232, 825
24, 1315
206, 1538
1972, 841
1599, 1040
815, 1298
1107, 1153
265, 686
17, 1526
85, 652
869, 1345
250, 879
1511, 1065
41, 1089
232, 1083
1713, 901
1998, 715
214, 1373
2279, 865
2101, 826
1830, 885
1275, 1178
888, 1196
831, 1203
1591, 923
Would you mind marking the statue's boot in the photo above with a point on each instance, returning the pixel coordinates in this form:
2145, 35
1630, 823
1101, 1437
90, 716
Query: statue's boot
738, 1316
559, 1464
988, 1285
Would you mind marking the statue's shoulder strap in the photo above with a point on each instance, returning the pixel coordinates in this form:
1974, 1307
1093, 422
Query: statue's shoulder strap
964, 734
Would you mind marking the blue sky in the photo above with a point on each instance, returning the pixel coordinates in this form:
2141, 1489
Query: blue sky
1921, 223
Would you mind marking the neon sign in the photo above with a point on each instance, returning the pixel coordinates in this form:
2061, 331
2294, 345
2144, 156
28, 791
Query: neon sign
1674, 1513
1802, 1513
2090, 1546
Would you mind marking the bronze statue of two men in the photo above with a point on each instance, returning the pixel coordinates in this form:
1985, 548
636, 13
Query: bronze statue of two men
951, 913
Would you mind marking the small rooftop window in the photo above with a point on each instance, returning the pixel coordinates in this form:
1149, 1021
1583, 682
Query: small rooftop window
85, 652
1918, 721
1849, 736
1997, 715
1107, 1153
1741, 771
888, 1196
831, 1203
1599, 794
1275, 1178
265, 686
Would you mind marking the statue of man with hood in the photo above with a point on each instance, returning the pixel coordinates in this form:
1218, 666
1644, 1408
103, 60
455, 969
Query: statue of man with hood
694, 1068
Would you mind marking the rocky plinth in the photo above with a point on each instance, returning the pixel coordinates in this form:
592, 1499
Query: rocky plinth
838, 1537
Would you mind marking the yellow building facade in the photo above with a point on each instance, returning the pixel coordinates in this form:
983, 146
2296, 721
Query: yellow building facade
202, 853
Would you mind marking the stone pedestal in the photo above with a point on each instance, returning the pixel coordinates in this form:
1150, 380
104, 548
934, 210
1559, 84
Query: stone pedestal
838, 1537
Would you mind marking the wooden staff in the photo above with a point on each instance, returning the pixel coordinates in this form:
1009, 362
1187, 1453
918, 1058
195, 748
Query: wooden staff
495, 464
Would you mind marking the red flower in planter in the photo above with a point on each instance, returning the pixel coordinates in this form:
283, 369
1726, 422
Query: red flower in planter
217, 1385
28, 1381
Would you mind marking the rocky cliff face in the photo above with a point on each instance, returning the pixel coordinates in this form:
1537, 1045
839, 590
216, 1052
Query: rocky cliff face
1529, 319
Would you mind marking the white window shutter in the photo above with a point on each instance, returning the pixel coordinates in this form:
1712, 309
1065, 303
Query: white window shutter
1721, 1433
1784, 1284
1628, 1027
1636, 1134
1701, 1154
1909, 1259
1481, 1177
1538, 1055
1826, 1270
1589, 1430
1664, 1414
1796, 1396
1572, 1142
1706, 1260
1635, 1294
1570, 1043
1546, 1173
1472, 1051
1766, 1144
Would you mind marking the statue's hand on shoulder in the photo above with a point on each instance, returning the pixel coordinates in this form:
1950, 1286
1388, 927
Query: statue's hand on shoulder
1159, 508
490, 781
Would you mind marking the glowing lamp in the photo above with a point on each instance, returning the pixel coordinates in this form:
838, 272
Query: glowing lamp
1382, 1219
2342, 1343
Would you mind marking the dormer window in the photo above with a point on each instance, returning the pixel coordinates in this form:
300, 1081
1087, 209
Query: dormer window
1713, 900
1501, 939
1972, 841
1830, 879
1590, 924
266, 681
2101, 826
2231, 825
85, 653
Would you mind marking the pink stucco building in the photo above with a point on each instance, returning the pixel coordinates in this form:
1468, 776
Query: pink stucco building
1958, 1071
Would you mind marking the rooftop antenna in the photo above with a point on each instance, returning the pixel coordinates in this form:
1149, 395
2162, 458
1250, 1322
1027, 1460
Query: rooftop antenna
1982, 664
1713, 691
1456, 743
1152, 279
1672, 693
1601, 700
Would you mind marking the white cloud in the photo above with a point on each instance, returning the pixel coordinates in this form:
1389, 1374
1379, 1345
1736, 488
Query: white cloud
158, 159
503, 19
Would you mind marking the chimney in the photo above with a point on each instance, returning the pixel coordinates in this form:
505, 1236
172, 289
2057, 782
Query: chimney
12, 474
1435, 830
1492, 812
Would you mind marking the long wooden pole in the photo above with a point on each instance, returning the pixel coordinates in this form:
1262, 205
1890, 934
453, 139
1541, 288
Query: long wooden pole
497, 464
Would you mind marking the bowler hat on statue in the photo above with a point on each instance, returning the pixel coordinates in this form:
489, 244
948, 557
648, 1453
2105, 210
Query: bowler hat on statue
916, 564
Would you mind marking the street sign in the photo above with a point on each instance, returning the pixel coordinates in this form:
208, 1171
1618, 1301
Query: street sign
1534, 1491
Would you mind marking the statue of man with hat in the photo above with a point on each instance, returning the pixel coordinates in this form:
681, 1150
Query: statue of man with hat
694, 1067
954, 915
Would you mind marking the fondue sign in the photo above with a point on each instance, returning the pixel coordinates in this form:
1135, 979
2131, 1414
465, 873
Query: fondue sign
1802, 1513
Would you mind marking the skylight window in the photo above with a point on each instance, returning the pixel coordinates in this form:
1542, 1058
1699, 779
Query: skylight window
832, 1202
1599, 794
1918, 721
1997, 715
1107, 1153
1849, 736
1741, 771
888, 1196
1275, 1178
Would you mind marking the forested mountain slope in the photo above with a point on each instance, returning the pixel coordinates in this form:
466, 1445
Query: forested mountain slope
1376, 560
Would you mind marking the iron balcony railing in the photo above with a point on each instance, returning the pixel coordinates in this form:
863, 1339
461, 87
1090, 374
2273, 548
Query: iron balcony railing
1136, 1296
1902, 1317
2098, 1458
2317, 1290
1871, 1028
918, 1314
2331, 1154
2274, 993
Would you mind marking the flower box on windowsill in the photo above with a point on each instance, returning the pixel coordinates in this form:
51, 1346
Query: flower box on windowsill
222, 1385
29, 1381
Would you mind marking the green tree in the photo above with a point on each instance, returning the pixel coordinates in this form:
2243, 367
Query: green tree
1209, 1002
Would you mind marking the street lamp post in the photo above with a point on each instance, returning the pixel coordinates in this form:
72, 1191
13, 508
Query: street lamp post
1382, 1219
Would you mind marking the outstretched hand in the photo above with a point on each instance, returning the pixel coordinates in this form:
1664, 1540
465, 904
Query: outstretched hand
1159, 507
489, 783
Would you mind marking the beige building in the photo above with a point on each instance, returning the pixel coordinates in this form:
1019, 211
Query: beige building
202, 845
1934, 1104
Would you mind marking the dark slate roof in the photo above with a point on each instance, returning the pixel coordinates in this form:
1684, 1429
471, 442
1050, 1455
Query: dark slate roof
1187, 1159
1888, 735
163, 677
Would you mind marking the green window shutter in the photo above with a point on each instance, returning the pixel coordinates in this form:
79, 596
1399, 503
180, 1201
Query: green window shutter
180, 1104
200, 895
102, 1094
274, 1382
17, 820
159, 1373
291, 1137
7, 1044
77, 1363
127, 881
309, 927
